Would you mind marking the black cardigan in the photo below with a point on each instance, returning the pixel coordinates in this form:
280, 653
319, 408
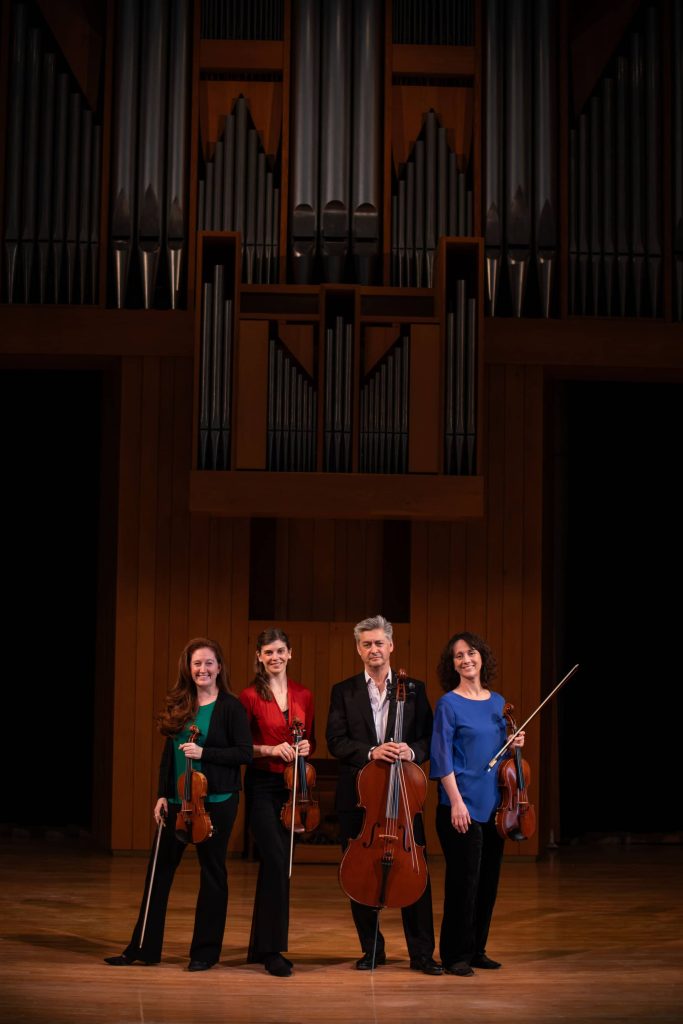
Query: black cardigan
228, 745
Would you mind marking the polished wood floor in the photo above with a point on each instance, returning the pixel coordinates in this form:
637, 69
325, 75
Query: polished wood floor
590, 935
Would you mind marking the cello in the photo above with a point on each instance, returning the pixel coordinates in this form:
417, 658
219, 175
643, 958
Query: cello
384, 866
193, 823
515, 816
300, 813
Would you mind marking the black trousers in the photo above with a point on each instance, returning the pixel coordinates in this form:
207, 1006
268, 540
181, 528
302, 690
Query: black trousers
266, 793
418, 919
473, 861
212, 899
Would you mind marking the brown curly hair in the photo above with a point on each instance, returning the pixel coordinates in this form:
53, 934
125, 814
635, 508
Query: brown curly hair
181, 699
445, 670
260, 680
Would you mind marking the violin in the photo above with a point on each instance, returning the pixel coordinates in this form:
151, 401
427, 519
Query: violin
384, 866
193, 823
301, 812
515, 817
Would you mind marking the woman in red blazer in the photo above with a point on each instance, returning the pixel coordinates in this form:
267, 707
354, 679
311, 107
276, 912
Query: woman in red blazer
273, 702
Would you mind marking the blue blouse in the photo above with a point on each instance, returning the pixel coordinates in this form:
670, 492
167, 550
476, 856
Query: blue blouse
467, 733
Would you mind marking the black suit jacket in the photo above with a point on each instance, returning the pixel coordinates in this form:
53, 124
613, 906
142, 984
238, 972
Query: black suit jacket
351, 731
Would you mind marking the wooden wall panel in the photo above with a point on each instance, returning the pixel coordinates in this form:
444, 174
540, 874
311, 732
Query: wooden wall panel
180, 440
532, 688
165, 654
419, 601
328, 570
164, 657
475, 579
457, 574
198, 577
152, 580
323, 561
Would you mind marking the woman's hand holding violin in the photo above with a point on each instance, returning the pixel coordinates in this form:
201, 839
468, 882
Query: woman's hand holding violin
191, 750
286, 751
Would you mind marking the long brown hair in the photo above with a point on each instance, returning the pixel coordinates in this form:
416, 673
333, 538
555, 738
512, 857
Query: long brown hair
260, 680
181, 699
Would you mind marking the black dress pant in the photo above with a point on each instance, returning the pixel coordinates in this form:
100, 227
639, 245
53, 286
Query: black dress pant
212, 899
473, 861
265, 792
418, 919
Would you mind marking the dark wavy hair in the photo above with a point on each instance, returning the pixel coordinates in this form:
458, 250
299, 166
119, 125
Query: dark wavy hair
181, 699
445, 670
260, 680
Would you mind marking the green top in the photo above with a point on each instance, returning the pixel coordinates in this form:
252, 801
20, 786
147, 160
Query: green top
202, 720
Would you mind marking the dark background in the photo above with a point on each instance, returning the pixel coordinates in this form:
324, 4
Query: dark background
618, 718
50, 429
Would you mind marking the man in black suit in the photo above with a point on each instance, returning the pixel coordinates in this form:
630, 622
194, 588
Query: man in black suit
359, 729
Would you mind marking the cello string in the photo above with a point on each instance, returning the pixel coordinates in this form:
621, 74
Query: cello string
403, 788
409, 823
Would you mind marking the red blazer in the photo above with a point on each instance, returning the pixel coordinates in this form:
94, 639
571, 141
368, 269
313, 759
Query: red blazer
269, 726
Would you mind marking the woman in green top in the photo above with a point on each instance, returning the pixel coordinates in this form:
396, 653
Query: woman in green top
201, 696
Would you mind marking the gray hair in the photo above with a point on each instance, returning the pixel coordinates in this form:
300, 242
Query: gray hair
374, 622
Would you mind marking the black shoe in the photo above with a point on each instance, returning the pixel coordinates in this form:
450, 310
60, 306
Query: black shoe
277, 965
485, 962
365, 962
426, 964
126, 961
199, 965
461, 968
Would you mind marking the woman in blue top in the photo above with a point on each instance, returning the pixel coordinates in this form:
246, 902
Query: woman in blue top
201, 696
469, 729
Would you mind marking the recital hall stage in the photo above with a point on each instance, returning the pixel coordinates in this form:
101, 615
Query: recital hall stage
587, 934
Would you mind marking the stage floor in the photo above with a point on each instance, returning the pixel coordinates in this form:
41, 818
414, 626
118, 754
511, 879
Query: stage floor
588, 935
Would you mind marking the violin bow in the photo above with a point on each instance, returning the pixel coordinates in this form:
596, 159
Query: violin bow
291, 831
162, 816
533, 714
